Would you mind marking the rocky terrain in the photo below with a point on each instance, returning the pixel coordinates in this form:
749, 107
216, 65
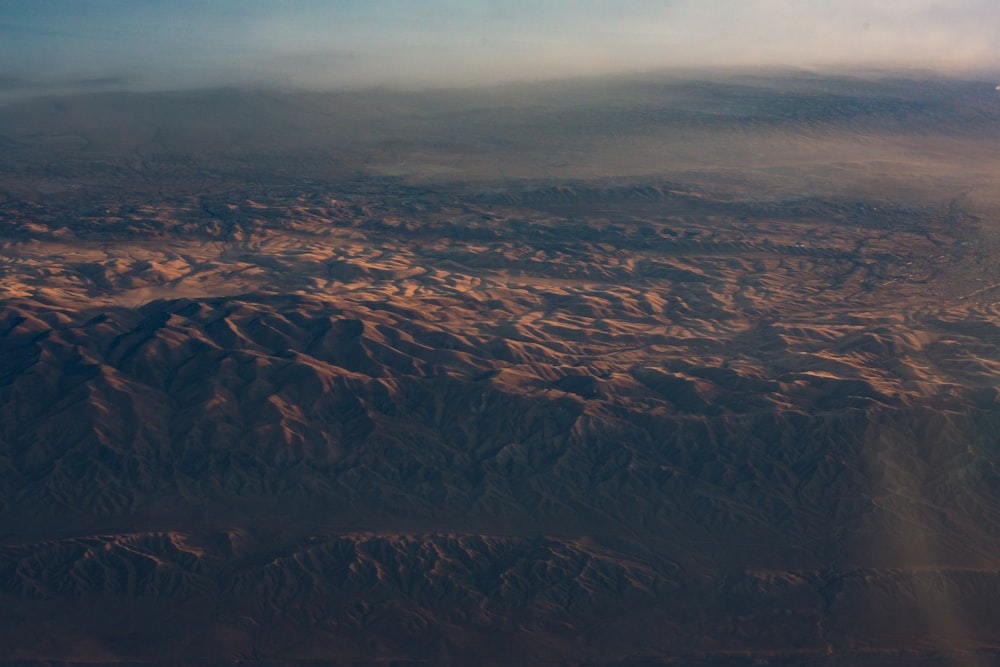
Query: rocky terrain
401, 382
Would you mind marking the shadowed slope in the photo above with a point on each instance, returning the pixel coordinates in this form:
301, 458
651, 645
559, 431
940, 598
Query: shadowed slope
697, 417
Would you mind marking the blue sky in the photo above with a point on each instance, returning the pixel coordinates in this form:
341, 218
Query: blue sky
179, 43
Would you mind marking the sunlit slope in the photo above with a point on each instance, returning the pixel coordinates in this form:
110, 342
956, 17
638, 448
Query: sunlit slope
350, 407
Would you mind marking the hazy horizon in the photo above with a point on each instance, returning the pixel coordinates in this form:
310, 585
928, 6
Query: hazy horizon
52, 45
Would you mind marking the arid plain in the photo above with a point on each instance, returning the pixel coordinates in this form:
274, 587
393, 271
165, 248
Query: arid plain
668, 370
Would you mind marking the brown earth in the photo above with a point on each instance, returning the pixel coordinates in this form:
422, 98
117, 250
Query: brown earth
618, 420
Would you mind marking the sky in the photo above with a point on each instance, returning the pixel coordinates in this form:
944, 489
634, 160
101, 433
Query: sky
156, 44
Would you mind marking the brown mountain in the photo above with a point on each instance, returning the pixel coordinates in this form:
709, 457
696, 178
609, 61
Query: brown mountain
360, 401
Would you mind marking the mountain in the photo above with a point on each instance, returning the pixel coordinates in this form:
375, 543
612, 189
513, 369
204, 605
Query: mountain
364, 401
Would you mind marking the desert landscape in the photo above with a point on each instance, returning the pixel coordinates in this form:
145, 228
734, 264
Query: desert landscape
697, 369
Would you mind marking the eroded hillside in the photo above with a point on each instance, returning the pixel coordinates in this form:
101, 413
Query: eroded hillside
571, 420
